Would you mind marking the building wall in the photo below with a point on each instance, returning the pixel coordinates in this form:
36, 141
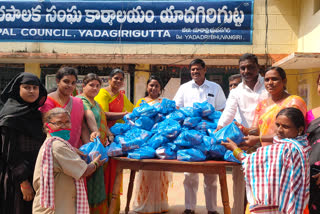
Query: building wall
282, 38
309, 27
303, 83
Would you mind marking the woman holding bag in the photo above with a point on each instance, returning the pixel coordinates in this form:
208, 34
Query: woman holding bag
99, 195
59, 170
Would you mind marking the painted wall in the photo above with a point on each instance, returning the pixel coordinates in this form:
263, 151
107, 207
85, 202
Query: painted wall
309, 28
303, 83
282, 38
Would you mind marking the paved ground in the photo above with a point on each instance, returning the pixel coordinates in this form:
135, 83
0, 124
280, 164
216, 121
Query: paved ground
176, 194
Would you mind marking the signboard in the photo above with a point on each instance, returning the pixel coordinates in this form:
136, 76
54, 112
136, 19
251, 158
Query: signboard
51, 83
164, 22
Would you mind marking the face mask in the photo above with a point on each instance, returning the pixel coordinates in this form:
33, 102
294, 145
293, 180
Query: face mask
62, 133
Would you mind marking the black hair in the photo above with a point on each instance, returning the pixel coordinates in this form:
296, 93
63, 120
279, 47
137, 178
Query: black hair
234, 76
249, 56
153, 77
116, 71
197, 61
65, 71
280, 71
90, 77
295, 115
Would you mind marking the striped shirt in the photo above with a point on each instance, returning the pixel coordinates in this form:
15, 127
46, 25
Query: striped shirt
277, 176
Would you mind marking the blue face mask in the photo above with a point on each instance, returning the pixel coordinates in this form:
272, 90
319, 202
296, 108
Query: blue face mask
62, 133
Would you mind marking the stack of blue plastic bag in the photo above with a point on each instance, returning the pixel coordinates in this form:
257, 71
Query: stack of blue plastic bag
165, 132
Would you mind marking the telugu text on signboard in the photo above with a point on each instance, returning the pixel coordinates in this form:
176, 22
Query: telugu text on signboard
165, 22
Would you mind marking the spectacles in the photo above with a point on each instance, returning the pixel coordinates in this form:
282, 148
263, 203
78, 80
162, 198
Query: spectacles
60, 124
234, 84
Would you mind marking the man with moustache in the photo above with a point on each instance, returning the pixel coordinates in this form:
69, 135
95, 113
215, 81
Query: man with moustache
243, 99
199, 90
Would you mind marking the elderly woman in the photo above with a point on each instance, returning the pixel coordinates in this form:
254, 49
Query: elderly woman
21, 139
97, 195
59, 170
277, 176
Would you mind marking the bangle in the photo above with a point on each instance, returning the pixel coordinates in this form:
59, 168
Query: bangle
236, 152
260, 138
96, 164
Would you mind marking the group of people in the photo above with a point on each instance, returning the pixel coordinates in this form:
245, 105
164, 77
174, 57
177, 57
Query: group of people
41, 169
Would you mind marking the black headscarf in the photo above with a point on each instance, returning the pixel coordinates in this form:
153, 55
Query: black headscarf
18, 114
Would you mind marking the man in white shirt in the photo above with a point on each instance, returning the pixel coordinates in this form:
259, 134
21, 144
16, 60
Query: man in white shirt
199, 90
247, 95
243, 100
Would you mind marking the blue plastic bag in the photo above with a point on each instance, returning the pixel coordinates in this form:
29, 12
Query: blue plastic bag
190, 155
190, 112
166, 153
93, 149
228, 156
176, 115
159, 117
145, 110
120, 128
119, 139
191, 122
230, 131
210, 140
115, 149
189, 138
142, 153
205, 108
167, 106
211, 132
205, 145
204, 125
157, 140
131, 143
217, 151
215, 116
130, 118
136, 133
144, 123
169, 128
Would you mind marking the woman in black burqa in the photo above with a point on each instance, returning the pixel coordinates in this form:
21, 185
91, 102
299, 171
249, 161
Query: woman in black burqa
21, 136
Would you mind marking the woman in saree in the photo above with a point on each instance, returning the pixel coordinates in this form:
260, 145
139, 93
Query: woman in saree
263, 128
98, 194
66, 78
152, 186
115, 104
113, 101
313, 131
277, 176
21, 139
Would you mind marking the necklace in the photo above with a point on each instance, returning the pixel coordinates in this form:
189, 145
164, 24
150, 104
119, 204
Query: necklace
60, 100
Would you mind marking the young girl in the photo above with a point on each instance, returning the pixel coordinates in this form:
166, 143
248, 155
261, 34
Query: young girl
277, 176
